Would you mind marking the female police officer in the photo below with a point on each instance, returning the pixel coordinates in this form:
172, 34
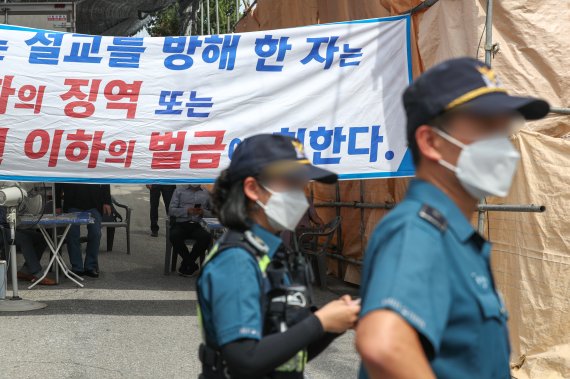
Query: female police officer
254, 295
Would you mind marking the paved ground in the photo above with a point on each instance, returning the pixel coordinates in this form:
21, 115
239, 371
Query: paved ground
132, 322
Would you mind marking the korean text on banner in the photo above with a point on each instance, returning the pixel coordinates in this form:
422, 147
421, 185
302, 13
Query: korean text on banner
171, 110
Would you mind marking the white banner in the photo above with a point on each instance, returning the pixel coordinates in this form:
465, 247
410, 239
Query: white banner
172, 110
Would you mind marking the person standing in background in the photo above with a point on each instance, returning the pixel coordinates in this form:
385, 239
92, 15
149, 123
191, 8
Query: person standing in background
156, 190
92, 198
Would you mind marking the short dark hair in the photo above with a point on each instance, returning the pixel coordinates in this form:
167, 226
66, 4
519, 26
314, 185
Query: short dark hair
230, 204
413, 146
437, 122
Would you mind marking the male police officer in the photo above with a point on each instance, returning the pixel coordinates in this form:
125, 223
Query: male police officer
429, 303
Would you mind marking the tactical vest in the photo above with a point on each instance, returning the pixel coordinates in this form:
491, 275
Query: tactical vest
286, 300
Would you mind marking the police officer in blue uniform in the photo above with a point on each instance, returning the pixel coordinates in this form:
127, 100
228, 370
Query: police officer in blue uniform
430, 307
254, 294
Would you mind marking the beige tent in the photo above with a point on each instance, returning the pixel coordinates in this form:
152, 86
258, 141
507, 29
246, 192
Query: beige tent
531, 258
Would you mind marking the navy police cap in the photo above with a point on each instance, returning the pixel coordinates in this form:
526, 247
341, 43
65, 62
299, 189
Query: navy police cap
464, 85
273, 155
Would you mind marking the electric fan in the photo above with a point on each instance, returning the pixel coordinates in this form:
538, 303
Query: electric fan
26, 200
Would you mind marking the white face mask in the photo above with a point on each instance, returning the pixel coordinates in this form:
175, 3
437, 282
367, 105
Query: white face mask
284, 210
485, 167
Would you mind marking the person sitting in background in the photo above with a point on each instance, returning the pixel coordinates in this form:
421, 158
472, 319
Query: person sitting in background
156, 190
32, 245
188, 206
92, 198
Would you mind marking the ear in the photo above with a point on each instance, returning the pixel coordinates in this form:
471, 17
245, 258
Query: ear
251, 188
429, 145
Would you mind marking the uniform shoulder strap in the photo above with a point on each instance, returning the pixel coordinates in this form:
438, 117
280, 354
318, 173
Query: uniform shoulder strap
433, 217
243, 240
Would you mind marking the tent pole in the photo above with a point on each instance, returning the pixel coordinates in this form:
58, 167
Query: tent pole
489, 32
560, 110
488, 52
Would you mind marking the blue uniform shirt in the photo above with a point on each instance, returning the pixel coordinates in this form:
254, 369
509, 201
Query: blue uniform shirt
427, 263
231, 289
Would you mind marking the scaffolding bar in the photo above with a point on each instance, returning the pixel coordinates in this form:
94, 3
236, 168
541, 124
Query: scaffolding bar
511, 208
480, 207
421, 7
354, 204
344, 259
560, 110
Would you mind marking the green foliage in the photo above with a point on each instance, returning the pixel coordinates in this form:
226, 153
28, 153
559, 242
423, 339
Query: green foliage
226, 8
165, 23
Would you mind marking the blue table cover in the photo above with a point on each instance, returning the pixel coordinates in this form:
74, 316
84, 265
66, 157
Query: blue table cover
79, 218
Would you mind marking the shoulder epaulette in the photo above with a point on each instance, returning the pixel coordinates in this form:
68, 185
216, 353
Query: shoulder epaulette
434, 217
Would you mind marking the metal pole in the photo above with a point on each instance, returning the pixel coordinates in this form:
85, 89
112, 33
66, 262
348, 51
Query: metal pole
339, 230
342, 258
481, 207
217, 17
74, 6
73, 14
512, 208
488, 55
560, 110
489, 32
208, 16
480, 218
54, 232
16, 303
237, 11
191, 23
229, 28
13, 264
362, 216
201, 18
354, 204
